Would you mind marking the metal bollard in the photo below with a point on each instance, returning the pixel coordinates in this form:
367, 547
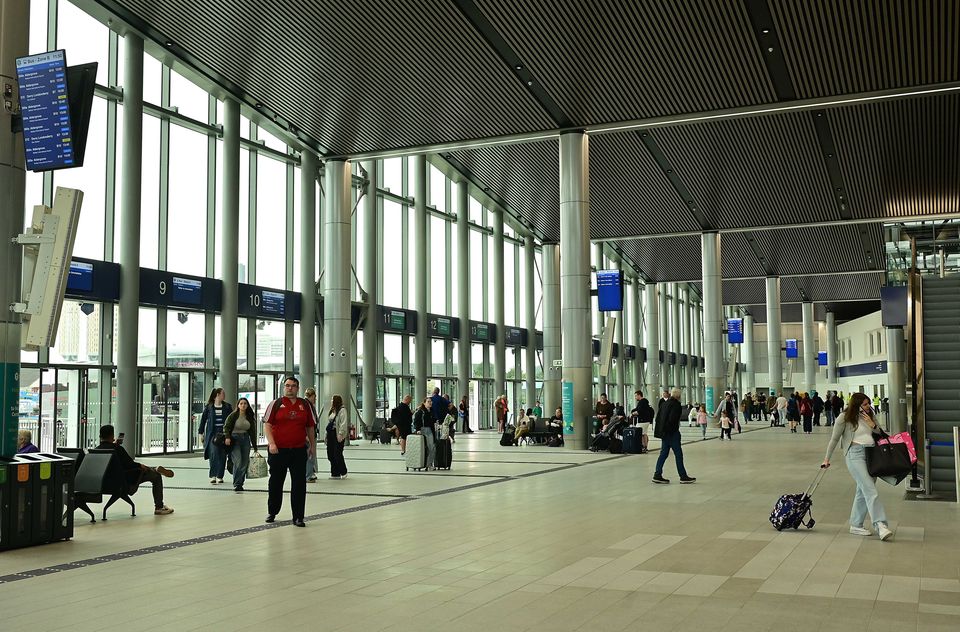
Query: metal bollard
927, 477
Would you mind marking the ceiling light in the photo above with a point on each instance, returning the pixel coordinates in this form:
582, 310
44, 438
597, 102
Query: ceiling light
259, 106
519, 67
168, 43
529, 83
765, 31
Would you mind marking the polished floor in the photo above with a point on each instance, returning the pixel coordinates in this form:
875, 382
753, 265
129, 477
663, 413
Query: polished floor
528, 538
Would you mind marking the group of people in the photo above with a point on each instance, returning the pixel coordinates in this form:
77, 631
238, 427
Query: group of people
435, 419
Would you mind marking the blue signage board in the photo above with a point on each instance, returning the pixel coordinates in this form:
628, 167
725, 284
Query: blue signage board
45, 106
735, 331
610, 290
80, 278
187, 291
711, 400
822, 358
792, 347
567, 401
893, 306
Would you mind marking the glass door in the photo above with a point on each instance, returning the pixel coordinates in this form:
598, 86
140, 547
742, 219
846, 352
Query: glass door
170, 406
70, 412
31, 402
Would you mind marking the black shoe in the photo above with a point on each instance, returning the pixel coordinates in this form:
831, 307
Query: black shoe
659, 479
687, 479
238, 488
298, 522
270, 518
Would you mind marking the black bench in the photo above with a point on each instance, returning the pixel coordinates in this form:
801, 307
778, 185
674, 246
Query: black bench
99, 473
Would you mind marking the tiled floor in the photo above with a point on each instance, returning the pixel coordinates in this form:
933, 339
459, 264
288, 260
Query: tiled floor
527, 538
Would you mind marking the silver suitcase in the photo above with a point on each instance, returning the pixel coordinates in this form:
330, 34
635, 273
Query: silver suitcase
416, 452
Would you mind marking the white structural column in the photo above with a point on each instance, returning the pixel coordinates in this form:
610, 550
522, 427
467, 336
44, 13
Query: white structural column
601, 316
664, 310
308, 267
749, 356
551, 328
499, 308
422, 359
712, 321
130, 202
465, 359
575, 287
529, 251
636, 334
371, 266
621, 341
675, 327
687, 346
832, 351
698, 349
652, 340
774, 354
337, 349
809, 349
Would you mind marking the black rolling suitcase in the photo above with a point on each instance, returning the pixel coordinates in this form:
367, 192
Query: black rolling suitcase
507, 438
632, 441
444, 455
386, 436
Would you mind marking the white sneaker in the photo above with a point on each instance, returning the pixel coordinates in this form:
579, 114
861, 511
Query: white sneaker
860, 531
213, 480
219, 481
885, 532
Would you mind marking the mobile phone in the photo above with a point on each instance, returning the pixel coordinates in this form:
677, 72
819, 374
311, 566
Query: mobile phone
120, 438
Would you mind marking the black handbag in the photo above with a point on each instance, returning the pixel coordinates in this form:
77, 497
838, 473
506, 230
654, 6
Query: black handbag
220, 440
888, 459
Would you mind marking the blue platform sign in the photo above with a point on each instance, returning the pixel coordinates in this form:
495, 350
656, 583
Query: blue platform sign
735, 331
792, 348
822, 358
567, 401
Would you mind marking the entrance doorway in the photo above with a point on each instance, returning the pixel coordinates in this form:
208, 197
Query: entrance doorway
60, 406
171, 403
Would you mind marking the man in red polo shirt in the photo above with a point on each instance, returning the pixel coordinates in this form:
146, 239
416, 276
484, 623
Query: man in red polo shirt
290, 424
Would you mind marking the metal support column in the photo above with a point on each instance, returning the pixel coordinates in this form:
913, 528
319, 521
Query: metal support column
422, 359
371, 267
652, 339
774, 353
716, 365
809, 349
499, 310
896, 380
465, 359
832, 358
529, 251
129, 305
308, 269
337, 276
551, 328
575, 287
14, 32
749, 357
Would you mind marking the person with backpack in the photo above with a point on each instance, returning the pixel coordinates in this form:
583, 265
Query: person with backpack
793, 412
338, 428
818, 404
806, 412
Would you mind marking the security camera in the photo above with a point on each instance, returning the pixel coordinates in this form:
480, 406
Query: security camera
343, 354
332, 353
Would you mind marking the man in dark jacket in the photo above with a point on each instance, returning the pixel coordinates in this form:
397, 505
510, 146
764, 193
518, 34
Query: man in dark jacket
667, 429
642, 412
402, 417
818, 403
136, 473
439, 406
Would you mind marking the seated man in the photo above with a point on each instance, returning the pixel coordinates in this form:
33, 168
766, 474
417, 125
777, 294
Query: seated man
137, 473
555, 426
523, 426
24, 442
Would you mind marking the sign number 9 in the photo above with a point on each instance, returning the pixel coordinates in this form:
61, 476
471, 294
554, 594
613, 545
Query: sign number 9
163, 288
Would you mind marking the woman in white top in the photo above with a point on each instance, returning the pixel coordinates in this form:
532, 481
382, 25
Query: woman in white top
854, 432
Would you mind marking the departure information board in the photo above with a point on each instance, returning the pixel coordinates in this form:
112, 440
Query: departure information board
610, 290
45, 106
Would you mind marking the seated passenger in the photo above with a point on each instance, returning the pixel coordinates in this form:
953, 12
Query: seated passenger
523, 426
24, 445
555, 427
137, 473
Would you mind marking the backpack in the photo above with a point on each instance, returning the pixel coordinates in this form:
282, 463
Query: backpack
805, 408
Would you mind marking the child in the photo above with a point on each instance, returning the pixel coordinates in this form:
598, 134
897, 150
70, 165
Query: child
448, 421
702, 420
692, 417
725, 425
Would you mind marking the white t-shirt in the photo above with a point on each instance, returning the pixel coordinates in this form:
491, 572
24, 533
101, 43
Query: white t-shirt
782, 402
863, 434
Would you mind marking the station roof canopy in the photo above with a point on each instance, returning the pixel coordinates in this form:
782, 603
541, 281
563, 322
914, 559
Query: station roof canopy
793, 127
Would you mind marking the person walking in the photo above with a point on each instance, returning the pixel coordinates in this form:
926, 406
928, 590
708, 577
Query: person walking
818, 404
402, 416
240, 430
854, 432
793, 412
211, 424
667, 429
423, 424
782, 404
336, 436
289, 422
806, 412
312, 466
836, 402
702, 420
762, 406
464, 411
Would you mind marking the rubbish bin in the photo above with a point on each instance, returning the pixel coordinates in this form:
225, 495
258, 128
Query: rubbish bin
6, 473
17, 503
51, 496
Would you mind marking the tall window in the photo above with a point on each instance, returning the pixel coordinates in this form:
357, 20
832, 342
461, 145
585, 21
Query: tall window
187, 209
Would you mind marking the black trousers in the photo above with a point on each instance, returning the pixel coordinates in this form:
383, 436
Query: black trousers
152, 476
295, 460
338, 466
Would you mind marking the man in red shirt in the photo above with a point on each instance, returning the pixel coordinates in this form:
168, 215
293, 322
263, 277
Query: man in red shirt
290, 424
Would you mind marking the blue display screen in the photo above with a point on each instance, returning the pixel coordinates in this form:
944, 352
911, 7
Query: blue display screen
45, 106
735, 331
610, 290
80, 278
272, 303
822, 358
792, 347
187, 291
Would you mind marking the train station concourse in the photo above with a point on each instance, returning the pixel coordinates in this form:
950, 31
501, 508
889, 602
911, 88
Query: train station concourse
475, 315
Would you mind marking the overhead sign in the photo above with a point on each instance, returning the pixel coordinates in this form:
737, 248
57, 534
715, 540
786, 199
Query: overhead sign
165, 289
255, 301
443, 326
45, 107
610, 290
792, 348
735, 331
482, 332
822, 358
515, 337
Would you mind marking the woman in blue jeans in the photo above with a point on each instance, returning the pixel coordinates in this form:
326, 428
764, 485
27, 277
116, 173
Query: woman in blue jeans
854, 432
240, 429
